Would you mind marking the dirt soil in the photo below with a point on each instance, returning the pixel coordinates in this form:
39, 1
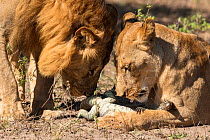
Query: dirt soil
70, 127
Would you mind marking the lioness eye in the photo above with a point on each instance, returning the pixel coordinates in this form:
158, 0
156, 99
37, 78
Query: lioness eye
80, 37
127, 67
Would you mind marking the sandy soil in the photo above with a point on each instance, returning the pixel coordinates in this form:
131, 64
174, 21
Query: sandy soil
69, 127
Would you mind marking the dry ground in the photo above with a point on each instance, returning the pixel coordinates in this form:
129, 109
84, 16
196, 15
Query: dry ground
166, 12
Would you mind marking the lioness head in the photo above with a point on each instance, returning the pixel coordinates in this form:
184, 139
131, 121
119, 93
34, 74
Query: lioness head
137, 66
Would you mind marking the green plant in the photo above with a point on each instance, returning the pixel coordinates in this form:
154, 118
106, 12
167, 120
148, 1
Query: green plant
141, 16
95, 93
191, 24
22, 61
4, 125
177, 136
9, 49
96, 121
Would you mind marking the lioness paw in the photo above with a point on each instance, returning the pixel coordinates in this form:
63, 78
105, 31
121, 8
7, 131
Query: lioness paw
109, 122
140, 109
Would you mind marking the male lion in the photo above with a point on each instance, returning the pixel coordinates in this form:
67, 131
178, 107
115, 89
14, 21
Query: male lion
71, 37
167, 65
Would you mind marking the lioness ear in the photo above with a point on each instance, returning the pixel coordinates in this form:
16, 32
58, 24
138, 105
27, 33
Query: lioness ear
128, 19
86, 36
148, 36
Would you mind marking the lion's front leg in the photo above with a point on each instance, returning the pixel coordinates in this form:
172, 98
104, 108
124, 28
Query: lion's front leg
149, 119
10, 104
32, 76
42, 95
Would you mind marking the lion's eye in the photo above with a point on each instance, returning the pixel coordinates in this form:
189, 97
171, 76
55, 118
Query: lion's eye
91, 72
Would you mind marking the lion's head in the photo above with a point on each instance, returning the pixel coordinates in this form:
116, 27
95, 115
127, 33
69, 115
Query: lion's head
74, 38
137, 67
89, 56
80, 58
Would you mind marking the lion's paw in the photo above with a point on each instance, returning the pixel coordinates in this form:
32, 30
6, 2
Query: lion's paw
52, 114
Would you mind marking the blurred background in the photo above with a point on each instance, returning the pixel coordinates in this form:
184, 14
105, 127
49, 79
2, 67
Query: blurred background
167, 12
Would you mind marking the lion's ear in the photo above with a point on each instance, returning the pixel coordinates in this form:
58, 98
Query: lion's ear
148, 36
86, 36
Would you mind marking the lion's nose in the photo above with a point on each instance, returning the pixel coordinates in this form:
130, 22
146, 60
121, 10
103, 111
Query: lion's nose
85, 93
88, 93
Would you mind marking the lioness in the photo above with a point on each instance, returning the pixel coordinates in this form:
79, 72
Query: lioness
71, 37
154, 64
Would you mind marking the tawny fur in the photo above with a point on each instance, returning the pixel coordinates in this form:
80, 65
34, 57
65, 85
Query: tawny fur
171, 66
47, 31
70, 37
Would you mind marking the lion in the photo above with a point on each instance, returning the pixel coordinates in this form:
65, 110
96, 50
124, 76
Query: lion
73, 38
155, 64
